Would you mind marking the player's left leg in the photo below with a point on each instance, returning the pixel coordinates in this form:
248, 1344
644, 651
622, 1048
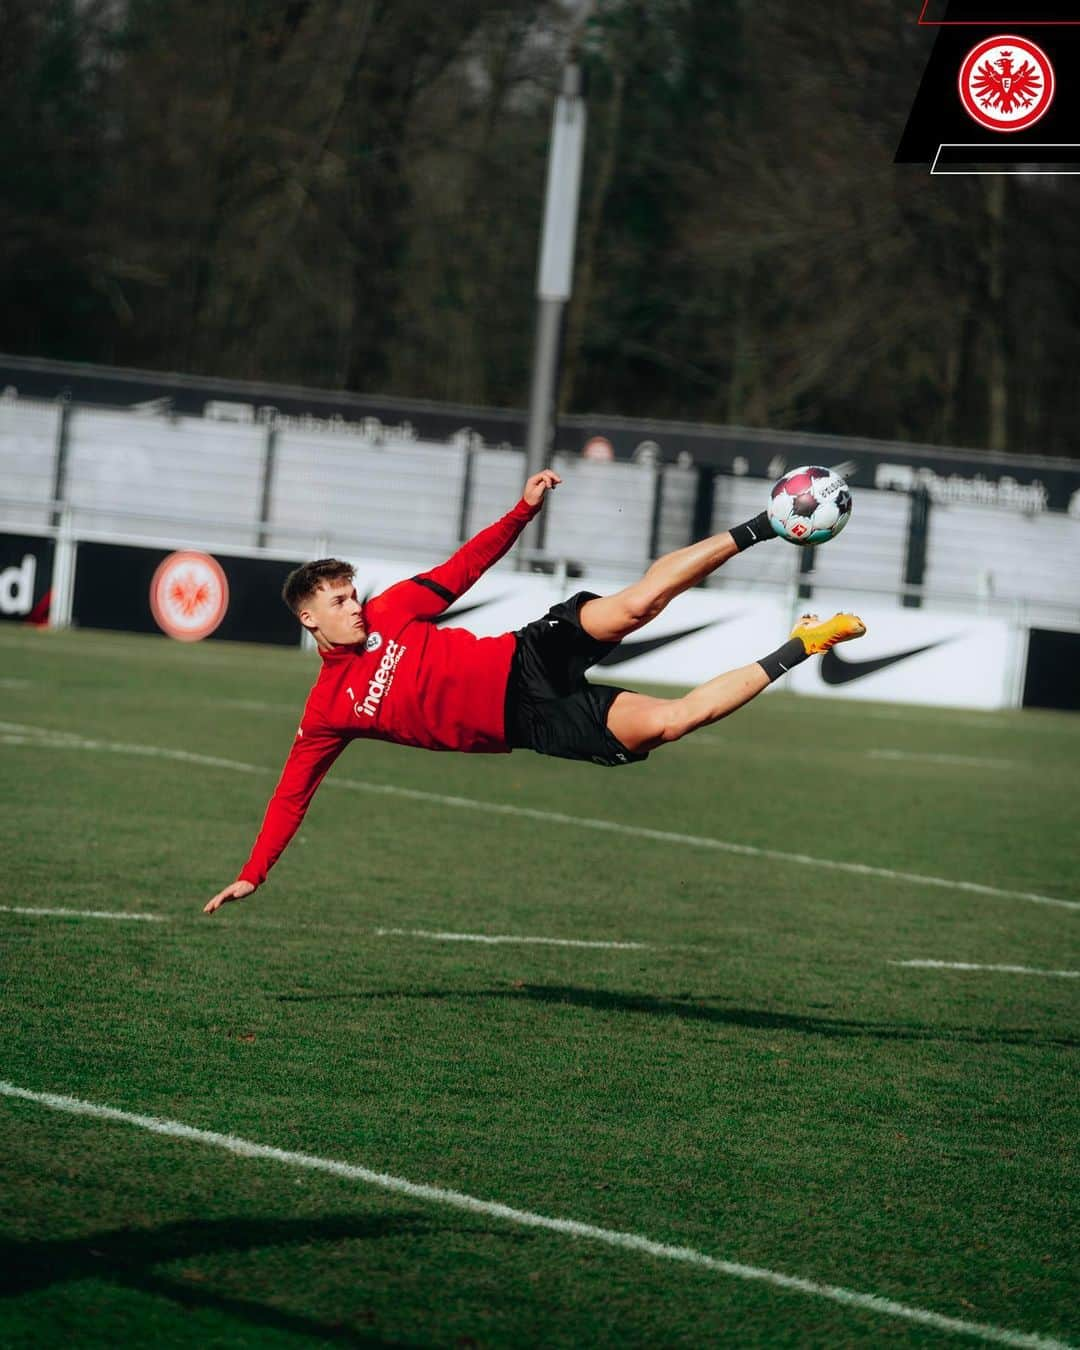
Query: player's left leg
643, 723
610, 618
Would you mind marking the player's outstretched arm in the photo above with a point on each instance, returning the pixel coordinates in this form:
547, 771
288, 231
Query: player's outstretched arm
239, 890
313, 751
431, 593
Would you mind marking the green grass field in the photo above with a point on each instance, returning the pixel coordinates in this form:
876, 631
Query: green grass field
757, 1082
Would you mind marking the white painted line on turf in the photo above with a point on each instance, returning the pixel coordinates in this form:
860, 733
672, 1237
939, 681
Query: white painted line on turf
1006, 970
497, 938
958, 719
50, 739
938, 715
918, 757
81, 913
63, 741
251, 705
437, 1195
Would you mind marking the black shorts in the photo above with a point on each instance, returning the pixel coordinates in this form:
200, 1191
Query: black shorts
550, 706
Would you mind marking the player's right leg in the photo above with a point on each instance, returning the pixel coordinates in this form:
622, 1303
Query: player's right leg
610, 618
643, 723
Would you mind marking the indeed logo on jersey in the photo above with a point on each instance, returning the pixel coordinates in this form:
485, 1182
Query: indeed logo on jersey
381, 681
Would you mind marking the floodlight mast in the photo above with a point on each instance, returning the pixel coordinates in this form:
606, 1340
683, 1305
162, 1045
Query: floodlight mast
554, 281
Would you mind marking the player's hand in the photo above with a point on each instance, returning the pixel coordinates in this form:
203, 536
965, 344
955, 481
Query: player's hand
237, 891
539, 484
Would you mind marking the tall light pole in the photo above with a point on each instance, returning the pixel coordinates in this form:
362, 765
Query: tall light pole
554, 281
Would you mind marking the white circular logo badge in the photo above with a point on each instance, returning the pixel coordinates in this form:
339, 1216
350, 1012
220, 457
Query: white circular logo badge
373, 643
1006, 83
189, 595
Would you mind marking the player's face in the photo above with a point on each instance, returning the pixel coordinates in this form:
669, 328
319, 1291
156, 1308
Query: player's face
334, 614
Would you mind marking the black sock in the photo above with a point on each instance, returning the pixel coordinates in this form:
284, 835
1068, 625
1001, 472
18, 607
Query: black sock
779, 662
753, 531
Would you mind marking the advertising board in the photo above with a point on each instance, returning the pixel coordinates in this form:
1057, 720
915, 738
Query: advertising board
26, 569
912, 656
185, 594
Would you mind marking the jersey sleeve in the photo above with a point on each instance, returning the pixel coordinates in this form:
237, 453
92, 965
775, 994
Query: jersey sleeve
310, 758
429, 593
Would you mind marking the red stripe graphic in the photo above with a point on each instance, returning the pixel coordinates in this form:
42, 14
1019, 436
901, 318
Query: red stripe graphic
934, 11
39, 615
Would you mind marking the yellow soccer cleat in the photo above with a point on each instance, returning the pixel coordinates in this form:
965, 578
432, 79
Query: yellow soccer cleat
818, 635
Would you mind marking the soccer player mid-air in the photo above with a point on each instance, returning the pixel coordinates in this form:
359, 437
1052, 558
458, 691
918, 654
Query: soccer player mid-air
390, 673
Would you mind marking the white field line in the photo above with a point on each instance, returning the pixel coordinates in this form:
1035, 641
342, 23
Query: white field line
249, 705
81, 913
972, 761
48, 739
915, 713
962, 720
634, 1242
968, 965
496, 939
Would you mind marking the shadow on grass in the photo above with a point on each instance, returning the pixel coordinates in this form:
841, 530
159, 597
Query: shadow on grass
127, 1256
700, 1009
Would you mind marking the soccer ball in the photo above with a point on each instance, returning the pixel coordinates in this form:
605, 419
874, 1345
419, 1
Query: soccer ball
809, 505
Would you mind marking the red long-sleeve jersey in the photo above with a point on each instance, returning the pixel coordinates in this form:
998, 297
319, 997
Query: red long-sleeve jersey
411, 682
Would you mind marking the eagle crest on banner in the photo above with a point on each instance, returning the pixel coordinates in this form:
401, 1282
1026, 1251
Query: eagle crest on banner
1005, 89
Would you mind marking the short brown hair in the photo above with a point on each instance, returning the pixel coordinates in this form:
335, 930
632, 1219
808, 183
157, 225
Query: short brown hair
301, 584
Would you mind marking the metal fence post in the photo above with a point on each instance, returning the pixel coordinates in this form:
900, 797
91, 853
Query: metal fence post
917, 541
657, 512
266, 497
60, 456
64, 562
806, 568
466, 495
704, 497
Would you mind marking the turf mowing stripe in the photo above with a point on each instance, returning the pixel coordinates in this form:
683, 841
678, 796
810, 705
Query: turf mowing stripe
54, 740
497, 938
968, 761
245, 1148
81, 913
1008, 970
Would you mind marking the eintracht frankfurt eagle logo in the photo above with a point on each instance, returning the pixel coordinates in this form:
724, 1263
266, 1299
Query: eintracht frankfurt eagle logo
1006, 83
189, 595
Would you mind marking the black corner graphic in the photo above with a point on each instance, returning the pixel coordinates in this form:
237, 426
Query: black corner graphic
943, 135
